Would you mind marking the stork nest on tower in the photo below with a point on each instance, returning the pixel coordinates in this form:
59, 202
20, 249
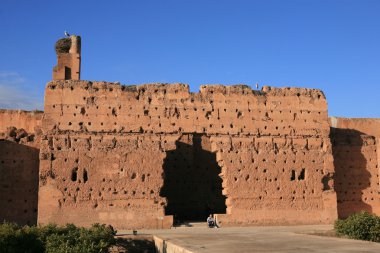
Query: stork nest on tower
63, 45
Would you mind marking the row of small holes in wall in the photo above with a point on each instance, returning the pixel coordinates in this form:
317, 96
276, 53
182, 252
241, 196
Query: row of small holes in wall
293, 176
11, 161
179, 129
125, 192
85, 88
204, 129
358, 199
299, 94
345, 192
286, 161
231, 126
164, 91
8, 186
267, 144
289, 126
207, 116
253, 161
293, 198
229, 110
110, 190
128, 204
88, 123
25, 201
247, 178
359, 184
7, 153
204, 109
271, 111
350, 175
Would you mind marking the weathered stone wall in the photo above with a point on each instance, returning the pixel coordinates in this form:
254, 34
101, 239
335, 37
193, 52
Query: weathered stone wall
19, 163
356, 145
29, 121
136, 156
115, 154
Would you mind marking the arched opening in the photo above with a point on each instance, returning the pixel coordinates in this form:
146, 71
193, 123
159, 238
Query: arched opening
192, 184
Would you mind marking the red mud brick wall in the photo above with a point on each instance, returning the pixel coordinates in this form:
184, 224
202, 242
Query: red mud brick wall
19, 164
135, 156
29, 121
356, 145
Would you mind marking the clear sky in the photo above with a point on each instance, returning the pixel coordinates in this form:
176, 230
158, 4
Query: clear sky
333, 45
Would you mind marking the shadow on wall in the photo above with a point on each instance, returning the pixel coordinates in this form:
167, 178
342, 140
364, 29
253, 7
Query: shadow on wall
192, 184
352, 176
19, 166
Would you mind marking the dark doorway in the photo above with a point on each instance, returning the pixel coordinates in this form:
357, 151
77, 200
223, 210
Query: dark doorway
67, 73
192, 184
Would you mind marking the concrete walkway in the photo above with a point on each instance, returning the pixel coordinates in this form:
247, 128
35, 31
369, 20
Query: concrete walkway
255, 239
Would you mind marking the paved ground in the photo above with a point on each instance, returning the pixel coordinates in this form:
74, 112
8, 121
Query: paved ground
256, 239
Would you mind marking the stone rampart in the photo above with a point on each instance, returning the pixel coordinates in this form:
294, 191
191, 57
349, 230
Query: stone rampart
137, 156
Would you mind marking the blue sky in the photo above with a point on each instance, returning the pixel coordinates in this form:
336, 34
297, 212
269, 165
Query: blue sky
333, 45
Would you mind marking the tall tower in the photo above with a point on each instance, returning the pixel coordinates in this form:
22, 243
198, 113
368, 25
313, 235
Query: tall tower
68, 58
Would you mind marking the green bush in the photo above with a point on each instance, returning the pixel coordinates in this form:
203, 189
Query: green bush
72, 239
15, 239
362, 226
51, 238
8, 236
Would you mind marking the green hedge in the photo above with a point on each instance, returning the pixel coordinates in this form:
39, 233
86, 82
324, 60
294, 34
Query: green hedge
52, 238
362, 226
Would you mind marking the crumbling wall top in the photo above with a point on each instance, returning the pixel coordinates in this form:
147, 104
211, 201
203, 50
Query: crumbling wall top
178, 88
28, 120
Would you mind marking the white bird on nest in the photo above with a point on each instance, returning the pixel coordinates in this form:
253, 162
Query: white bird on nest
67, 34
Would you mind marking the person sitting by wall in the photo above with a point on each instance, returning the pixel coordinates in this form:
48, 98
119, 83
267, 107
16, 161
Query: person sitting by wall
211, 222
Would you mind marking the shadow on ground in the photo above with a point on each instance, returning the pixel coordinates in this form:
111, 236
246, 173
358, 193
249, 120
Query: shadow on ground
133, 244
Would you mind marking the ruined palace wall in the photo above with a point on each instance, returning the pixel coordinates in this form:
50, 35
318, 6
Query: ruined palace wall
20, 119
19, 163
356, 145
106, 146
109, 107
368, 126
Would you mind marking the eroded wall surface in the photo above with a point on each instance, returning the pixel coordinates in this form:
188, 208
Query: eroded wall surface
29, 121
19, 164
356, 145
135, 156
